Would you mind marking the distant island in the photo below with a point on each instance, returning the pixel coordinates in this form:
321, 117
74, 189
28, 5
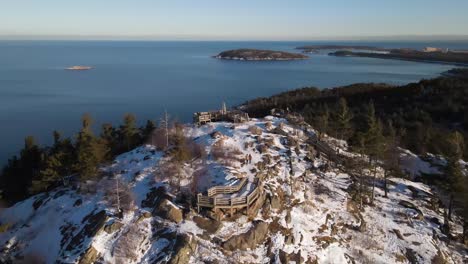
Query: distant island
79, 68
316, 48
427, 54
259, 55
461, 73
457, 58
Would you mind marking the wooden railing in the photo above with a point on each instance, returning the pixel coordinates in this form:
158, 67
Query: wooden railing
230, 202
226, 189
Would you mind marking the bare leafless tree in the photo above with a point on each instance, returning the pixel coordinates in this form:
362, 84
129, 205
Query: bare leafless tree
118, 195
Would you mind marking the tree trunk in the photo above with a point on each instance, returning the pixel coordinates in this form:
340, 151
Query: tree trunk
373, 183
385, 184
450, 209
465, 232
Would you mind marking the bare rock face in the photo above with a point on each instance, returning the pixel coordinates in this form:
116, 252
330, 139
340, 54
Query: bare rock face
153, 198
406, 204
292, 257
90, 256
276, 200
94, 223
209, 225
169, 211
256, 235
184, 247
112, 227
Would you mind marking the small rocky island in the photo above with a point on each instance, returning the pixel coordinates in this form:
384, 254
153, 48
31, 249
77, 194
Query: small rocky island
259, 55
79, 68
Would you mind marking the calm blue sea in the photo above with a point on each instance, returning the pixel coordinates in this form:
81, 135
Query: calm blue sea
37, 95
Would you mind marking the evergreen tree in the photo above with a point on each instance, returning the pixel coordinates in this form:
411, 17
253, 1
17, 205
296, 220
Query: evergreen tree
129, 132
374, 141
147, 131
343, 117
57, 164
453, 169
90, 151
110, 138
19, 173
390, 155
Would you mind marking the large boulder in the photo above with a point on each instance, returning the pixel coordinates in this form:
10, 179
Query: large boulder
209, 225
90, 256
168, 210
184, 248
250, 239
112, 227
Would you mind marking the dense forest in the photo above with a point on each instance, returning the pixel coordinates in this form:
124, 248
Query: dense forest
39, 169
422, 114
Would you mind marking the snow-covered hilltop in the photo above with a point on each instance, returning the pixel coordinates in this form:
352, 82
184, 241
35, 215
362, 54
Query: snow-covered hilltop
305, 213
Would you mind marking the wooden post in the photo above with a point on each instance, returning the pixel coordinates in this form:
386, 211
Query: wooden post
198, 202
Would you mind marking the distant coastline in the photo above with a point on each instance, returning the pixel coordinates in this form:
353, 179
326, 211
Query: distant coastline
259, 55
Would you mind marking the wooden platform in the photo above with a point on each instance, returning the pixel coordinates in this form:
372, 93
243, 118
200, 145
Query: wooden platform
231, 203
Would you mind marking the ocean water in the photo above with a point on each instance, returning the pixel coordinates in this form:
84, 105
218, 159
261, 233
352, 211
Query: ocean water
38, 96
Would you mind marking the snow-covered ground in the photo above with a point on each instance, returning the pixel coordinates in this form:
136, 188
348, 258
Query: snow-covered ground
313, 218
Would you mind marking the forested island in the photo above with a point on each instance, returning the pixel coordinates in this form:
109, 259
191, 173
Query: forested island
259, 55
458, 58
316, 48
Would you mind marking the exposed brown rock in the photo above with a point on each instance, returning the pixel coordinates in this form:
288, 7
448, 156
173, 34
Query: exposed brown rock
209, 225
169, 211
90, 256
250, 239
184, 247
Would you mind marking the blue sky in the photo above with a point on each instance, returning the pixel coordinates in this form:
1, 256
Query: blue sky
236, 19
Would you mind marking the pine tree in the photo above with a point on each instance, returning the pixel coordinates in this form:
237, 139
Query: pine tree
18, 174
453, 170
57, 164
390, 155
109, 137
147, 131
89, 151
374, 141
129, 132
343, 117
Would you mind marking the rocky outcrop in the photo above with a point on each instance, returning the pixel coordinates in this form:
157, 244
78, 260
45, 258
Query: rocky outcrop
291, 257
209, 225
112, 227
250, 239
154, 197
169, 211
276, 199
90, 256
184, 247
94, 223
409, 205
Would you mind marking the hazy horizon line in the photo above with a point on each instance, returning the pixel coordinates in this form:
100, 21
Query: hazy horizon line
414, 37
